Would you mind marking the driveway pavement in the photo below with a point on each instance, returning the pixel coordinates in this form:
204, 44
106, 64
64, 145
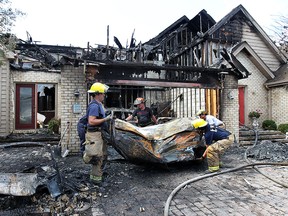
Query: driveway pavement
131, 189
136, 190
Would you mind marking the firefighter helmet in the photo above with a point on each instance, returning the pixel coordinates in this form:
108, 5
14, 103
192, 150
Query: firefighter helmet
201, 112
199, 123
139, 101
98, 88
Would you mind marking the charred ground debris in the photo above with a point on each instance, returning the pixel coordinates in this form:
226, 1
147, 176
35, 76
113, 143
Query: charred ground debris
56, 185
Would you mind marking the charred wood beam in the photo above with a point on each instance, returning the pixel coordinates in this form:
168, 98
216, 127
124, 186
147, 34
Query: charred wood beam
151, 75
115, 65
158, 83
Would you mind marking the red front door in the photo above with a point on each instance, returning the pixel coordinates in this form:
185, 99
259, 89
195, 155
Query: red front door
25, 106
241, 105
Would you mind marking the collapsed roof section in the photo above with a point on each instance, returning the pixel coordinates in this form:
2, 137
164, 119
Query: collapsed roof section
31, 55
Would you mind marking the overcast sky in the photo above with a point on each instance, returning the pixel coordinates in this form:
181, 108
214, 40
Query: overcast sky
74, 22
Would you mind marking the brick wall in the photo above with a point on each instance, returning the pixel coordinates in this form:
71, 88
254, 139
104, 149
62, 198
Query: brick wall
4, 96
279, 101
72, 79
51, 77
256, 95
230, 107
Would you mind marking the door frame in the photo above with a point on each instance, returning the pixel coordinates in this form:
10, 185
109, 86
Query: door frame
241, 101
32, 124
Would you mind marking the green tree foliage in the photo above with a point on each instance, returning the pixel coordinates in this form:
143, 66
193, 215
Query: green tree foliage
8, 16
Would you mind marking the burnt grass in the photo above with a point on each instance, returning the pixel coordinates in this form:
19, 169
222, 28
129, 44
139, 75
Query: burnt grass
126, 188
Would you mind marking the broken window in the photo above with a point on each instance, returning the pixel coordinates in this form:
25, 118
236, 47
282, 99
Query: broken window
46, 101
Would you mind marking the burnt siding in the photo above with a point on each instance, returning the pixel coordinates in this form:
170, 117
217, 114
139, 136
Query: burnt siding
230, 33
237, 30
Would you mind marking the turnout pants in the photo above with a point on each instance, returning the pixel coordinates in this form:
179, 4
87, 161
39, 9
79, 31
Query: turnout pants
215, 150
95, 153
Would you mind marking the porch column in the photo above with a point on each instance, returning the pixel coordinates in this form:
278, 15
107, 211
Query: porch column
230, 105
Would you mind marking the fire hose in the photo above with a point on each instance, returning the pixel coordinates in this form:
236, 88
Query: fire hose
168, 201
174, 192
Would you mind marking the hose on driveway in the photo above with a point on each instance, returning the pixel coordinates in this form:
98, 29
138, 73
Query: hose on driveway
168, 201
173, 193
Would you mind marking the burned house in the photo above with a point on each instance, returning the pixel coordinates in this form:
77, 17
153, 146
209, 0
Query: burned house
191, 65
201, 42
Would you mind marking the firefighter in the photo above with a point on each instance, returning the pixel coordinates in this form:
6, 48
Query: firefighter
212, 120
95, 151
144, 114
217, 141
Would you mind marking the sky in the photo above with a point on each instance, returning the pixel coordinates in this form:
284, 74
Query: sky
75, 23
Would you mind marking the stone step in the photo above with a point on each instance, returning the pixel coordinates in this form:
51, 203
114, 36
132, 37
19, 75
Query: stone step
247, 137
281, 140
245, 142
261, 132
262, 137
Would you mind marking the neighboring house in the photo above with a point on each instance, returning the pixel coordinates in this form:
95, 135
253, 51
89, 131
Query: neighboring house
191, 65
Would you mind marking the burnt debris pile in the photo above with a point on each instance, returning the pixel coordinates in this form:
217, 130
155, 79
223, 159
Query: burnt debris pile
34, 179
269, 151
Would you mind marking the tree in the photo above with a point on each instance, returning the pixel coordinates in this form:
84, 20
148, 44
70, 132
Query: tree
8, 17
280, 33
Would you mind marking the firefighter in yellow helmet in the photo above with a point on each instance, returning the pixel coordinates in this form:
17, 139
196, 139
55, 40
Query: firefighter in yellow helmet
144, 114
95, 151
217, 141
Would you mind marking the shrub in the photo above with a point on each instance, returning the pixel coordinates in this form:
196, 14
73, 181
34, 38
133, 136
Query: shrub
283, 128
53, 125
269, 125
257, 113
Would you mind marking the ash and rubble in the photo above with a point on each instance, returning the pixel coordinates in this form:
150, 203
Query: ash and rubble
60, 184
78, 194
269, 151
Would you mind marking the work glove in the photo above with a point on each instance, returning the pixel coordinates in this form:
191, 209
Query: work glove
200, 158
108, 118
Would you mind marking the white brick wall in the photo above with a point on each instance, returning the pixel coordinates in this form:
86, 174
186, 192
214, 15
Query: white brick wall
279, 101
230, 107
72, 78
4, 97
34, 77
256, 94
